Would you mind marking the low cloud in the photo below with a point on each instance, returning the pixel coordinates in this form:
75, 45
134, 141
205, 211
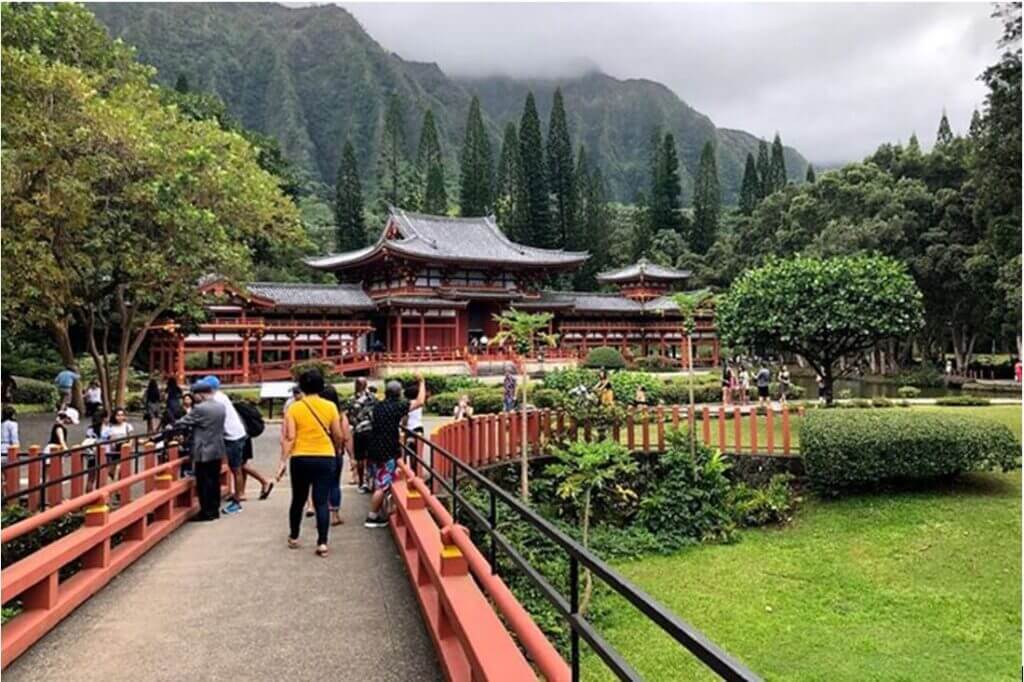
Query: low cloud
835, 79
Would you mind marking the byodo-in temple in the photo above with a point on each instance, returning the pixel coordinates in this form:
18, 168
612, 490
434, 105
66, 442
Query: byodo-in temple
425, 295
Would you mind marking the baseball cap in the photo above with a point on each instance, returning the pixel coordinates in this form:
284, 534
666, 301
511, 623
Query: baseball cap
211, 380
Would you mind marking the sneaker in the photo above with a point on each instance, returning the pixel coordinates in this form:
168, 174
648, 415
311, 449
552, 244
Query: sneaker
232, 508
372, 522
364, 490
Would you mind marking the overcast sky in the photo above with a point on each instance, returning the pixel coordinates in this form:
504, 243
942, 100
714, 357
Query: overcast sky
835, 80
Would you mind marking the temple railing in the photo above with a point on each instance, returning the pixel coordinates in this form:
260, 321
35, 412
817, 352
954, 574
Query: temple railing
438, 465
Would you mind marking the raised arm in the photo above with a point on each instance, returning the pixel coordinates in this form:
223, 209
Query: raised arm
421, 397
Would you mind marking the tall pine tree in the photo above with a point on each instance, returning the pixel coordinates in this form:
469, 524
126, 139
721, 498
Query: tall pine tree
764, 170
778, 165
707, 202
643, 232
664, 211
595, 226
348, 203
393, 171
533, 191
509, 177
945, 134
476, 187
750, 187
561, 175
811, 178
428, 154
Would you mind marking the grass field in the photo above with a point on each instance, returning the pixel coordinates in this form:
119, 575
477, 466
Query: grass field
922, 584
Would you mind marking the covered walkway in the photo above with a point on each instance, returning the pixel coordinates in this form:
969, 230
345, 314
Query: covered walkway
227, 600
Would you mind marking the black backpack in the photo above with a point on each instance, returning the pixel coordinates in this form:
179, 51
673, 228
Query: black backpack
251, 417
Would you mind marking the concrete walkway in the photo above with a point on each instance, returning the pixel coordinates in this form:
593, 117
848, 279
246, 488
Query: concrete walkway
227, 600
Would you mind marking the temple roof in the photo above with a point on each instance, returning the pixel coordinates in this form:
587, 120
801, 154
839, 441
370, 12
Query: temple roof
643, 270
441, 238
349, 296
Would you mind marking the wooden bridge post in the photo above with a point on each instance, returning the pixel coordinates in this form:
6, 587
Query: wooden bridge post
769, 430
721, 428
54, 471
148, 462
753, 429
630, 437
35, 477
645, 429
125, 472
705, 420
737, 429
659, 414
785, 430
501, 434
13, 475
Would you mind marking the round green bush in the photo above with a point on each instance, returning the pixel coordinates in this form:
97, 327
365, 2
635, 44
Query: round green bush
908, 391
963, 401
569, 378
605, 357
35, 392
845, 449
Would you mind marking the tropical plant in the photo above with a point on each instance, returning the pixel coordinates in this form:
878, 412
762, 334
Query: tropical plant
524, 332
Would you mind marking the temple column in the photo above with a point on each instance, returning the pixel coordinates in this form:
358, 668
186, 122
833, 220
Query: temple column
245, 358
423, 330
398, 334
323, 345
715, 360
180, 358
259, 356
291, 348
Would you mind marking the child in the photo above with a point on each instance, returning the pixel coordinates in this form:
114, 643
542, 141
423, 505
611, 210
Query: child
119, 429
98, 433
414, 421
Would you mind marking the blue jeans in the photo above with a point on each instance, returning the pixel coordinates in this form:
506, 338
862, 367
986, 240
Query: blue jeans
334, 500
509, 404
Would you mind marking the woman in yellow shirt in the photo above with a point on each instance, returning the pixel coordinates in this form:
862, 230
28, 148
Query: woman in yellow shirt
312, 435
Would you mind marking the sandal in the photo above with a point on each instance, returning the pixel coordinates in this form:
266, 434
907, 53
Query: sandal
265, 493
337, 521
293, 544
321, 550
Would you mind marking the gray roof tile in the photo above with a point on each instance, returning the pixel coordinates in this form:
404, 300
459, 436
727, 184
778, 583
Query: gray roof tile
350, 296
643, 269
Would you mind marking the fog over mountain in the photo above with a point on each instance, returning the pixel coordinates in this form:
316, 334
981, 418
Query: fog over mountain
835, 79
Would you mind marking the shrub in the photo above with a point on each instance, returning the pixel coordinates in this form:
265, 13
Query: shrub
325, 368
605, 357
438, 383
484, 400
859, 447
760, 506
923, 375
35, 391
656, 363
624, 385
963, 401
29, 542
844, 394
881, 402
545, 398
908, 391
569, 378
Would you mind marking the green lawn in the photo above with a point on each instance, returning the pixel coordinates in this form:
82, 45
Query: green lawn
918, 585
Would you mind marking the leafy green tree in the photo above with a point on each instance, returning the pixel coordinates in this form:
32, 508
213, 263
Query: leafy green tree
348, 203
822, 309
945, 134
688, 304
643, 233
810, 178
476, 188
582, 471
594, 234
777, 170
524, 332
665, 209
181, 85
562, 176
533, 191
749, 189
143, 201
434, 199
506, 206
707, 202
764, 168
395, 184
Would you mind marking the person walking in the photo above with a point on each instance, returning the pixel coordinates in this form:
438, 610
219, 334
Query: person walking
726, 382
509, 386
93, 398
99, 433
58, 441
360, 417
172, 394
387, 420
785, 381
603, 389
252, 419
205, 422
8, 387
153, 406
65, 382
744, 386
119, 429
234, 444
8, 431
334, 498
312, 434
763, 379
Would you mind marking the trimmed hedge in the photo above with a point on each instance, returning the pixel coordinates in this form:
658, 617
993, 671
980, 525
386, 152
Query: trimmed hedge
438, 383
35, 391
963, 401
908, 391
853, 448
606, 357
484, 401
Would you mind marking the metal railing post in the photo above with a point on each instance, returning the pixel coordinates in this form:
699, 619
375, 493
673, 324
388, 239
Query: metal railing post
574, 608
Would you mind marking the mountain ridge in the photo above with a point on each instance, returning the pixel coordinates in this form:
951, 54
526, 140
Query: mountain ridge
312, 77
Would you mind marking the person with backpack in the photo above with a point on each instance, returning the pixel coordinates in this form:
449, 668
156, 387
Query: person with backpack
234, 442
360, 416
252, 419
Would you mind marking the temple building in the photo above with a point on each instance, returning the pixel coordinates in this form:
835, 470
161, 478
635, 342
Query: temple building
426, 291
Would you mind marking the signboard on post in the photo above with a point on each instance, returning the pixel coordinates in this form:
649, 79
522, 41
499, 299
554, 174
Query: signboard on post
273, 390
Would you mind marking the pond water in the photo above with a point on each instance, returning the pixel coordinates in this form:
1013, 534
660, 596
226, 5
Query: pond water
859, 388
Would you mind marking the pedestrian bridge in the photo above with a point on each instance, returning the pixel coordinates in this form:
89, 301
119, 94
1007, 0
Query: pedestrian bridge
227, 599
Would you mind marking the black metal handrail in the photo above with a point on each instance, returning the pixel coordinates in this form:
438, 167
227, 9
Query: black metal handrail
692, 639
110, 446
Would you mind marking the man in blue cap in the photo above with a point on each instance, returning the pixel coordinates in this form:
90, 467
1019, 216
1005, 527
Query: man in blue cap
234, 442
206, 420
